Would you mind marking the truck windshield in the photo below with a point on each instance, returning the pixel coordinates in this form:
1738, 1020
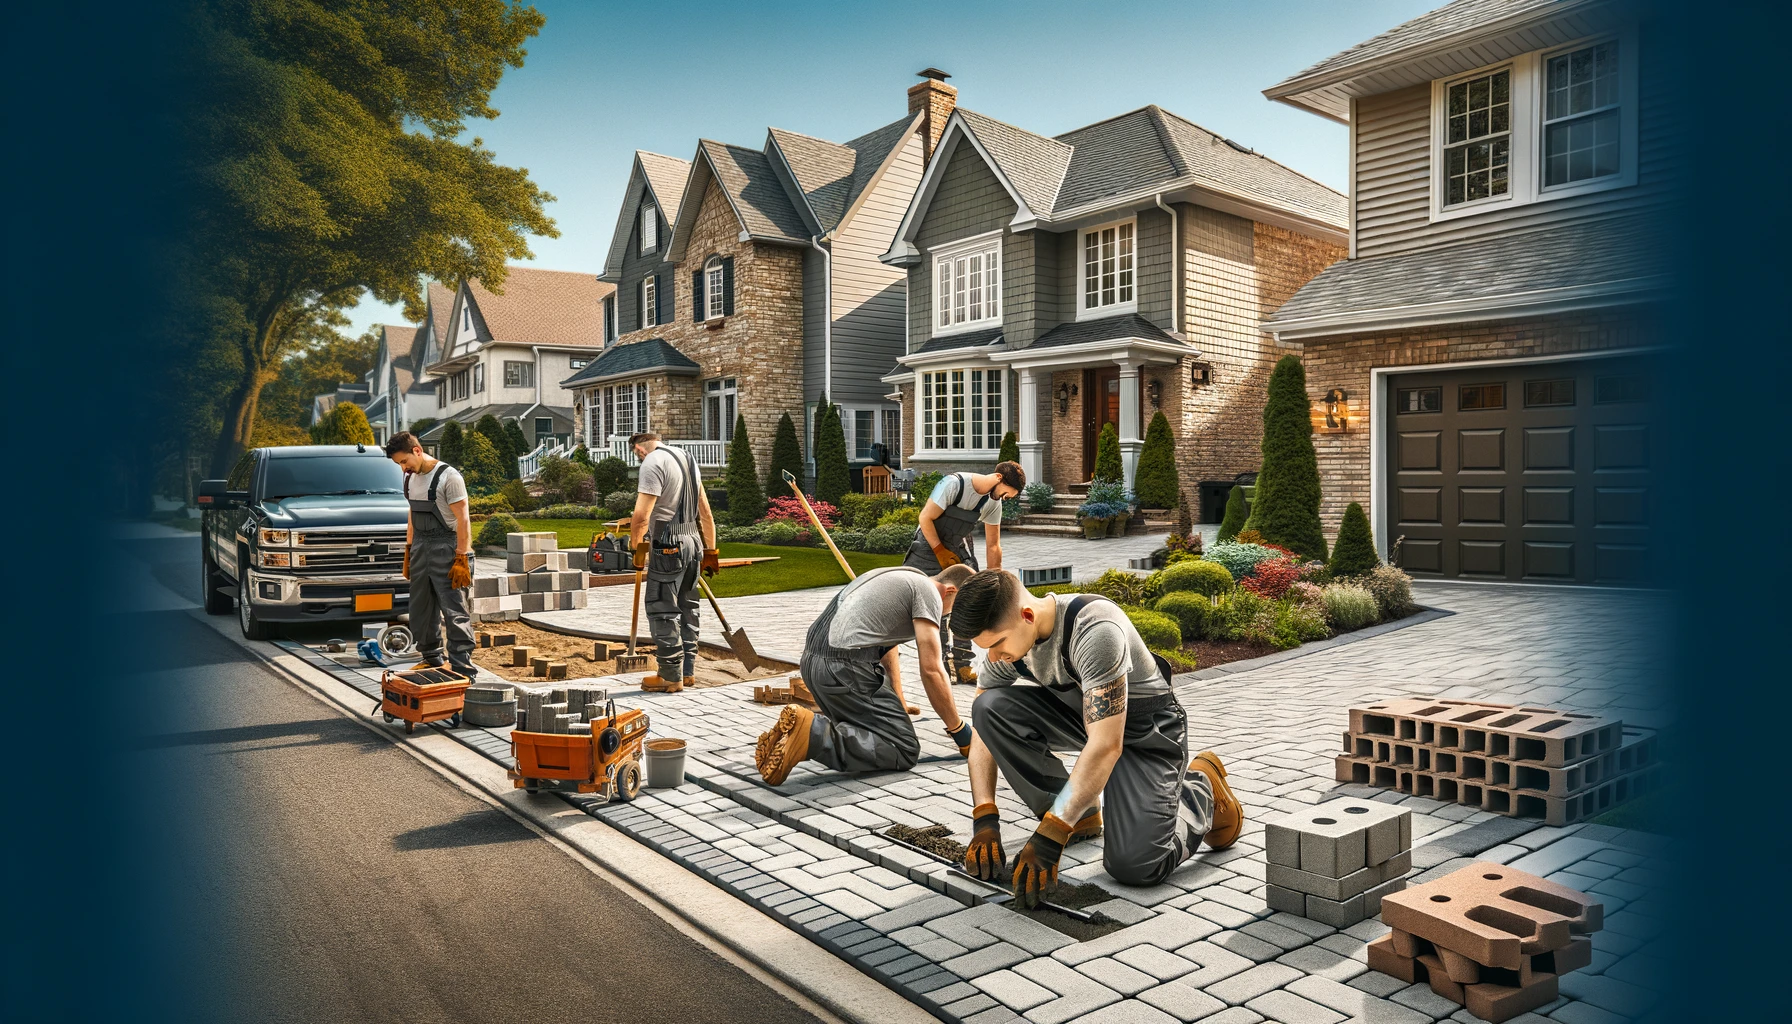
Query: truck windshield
332, 474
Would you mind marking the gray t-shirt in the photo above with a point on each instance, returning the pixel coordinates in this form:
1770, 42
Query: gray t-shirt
879, 609
1105, 646
663, 475
450, 488
956, 490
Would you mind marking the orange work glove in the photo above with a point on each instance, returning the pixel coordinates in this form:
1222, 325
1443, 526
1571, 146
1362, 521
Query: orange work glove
711, 562
944, 556
983, 857
406, 571
1036, 867
460, 575
641, 550
962, 737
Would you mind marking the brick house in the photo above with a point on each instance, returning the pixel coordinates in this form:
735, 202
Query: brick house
1485, 348
1100, 276
749, 281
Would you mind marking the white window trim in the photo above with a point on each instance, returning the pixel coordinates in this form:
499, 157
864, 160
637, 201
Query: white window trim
478, 378
989, 241
706, 394
920, 417
714, 287
1086, 312
603, 401
650, 225
649, 310
849, 425
526, 368
1528, 95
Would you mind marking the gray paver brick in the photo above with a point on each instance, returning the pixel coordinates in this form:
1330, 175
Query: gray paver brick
1248, 985
908, 915
1421, 998
1182, 1001
969, 1005
1556, 855
1216, 963
1248, 946
939, 949
1321, 962
1128, 981
1169, 929
1608, 993
1235, 1015
1287, 938
1574, 1012
1013, 990
1353, 1003
993, 1015
1027, 933
1077, 994
1129, 1012
1289, 1008
1123, 911
975, 964
1162, 965
1377, 984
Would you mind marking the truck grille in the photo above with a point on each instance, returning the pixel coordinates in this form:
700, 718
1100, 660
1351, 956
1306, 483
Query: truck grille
344, 552
347, 538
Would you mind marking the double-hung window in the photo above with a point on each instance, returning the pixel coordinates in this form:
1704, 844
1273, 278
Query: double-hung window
969, 291
519, 374
624, 409
962, 410
1478, 150
478, 378
864, 426
719, 397
650, 301
1108, 269
1580, 114
650, 229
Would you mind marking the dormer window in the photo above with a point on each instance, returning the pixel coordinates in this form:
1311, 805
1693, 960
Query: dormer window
650, 229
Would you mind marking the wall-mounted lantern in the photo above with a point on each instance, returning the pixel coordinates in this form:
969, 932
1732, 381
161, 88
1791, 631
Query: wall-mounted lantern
1065, 393
1200, 373
1156, 391
1331, 414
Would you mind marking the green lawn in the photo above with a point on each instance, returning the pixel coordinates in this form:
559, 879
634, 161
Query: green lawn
795, 569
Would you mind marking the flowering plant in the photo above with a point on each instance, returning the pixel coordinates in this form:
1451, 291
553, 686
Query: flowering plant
1272, 578
791, 509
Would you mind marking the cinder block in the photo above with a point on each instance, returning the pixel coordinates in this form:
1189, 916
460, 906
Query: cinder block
1334, 838
1493, 914
1281, 844
554, 561
1338, 914
510, 603
485, 606
503, 639
570, 580
535, 602
519, 582
485, 586
520, 655
1287, 900
1372, 895
578, 558
531, 542
538, 666
604, 650
516, 543
485, 639
527, 561
1337, 889
557, 670
571, 599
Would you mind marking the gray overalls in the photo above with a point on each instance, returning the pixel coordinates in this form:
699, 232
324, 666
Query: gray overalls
862, 726
955, 527
433, 601
672, 564
1022, 726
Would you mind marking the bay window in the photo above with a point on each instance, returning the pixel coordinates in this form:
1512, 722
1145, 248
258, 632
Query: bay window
962, 410
969, 291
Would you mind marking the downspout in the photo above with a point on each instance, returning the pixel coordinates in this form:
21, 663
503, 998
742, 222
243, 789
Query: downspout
1176, 285
827, 331
535, 352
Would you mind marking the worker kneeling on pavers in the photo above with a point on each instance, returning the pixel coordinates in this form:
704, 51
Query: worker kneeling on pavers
673, 534
849, 662
1102, 692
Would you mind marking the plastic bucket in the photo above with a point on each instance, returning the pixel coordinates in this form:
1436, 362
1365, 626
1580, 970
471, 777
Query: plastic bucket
665, 764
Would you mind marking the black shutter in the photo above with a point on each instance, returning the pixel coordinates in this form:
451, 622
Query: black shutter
697, 296
662, 300
640, 314
727, 286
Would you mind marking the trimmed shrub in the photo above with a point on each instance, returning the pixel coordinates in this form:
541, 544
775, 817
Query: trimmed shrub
1185, 518
1107, 455
480, 465
344, 424
1178, 557
609, 475
563, 480
1039, 497
1009, 451
1235, 515
494, 432
1285, 508
1179, 661
849, 540
1285, 625
1241, 559
862, 511
833, 480
792, 510
1156, 628
754, 534
1252, 537
1058, 588
781, 531
1156, 481
1011, 512
1232, 612
620, 502
519, 443
421, 427
1196, 575
570, 511
493, 531
907, 517
486, 504
1355, 550
1303, 593
889, 538
1119, 586
1392, 589
517, 494
924, 485
582, 456
746, 501
452, 446
1272, 577
787, 454
1348, 607
1192, 611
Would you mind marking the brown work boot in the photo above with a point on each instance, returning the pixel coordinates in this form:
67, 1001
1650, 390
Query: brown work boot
1087, 827
784, 745
1228, 813
967, 676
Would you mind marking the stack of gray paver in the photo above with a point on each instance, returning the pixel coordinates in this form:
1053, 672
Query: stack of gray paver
561, 709
1334, 862
540, 578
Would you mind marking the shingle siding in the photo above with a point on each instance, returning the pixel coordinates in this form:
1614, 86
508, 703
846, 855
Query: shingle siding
970, 200
1155, 287
636, 266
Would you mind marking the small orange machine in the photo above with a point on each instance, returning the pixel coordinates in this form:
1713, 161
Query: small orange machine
423, 695
605, 761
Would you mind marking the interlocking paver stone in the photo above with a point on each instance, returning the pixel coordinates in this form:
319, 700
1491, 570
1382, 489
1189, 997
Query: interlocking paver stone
1289, 1008
1353, 1003
1321, 962
977, 963
1128, 981
1184, 1002
1130, 1012
1160, 964
1013, 990
1248, 985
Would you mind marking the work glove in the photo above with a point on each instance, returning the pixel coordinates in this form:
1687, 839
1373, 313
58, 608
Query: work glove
1036, 867
962, 737
711, 561
406, 571
983, 857
944, 556
460, 575
641, 550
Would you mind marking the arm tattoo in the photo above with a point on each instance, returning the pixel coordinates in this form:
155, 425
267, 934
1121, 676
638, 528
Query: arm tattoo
1104, 701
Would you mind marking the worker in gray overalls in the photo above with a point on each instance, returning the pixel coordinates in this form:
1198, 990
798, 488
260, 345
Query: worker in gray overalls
849, 663
943, 536
438, 555
671, 513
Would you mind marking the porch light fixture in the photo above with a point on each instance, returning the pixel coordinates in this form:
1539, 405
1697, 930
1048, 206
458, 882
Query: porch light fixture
1156, 388
1065, 393
1200, 373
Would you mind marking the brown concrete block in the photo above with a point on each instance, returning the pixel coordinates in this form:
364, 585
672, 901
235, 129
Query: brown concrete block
520, 655
1636, 750
539, 666
1572, 957
485, 639
1566, 810
1440, 980
1496, 1003
556, 670
1407, 944
1493, 914
1383, 958
1461, 969
503, 639
604, 650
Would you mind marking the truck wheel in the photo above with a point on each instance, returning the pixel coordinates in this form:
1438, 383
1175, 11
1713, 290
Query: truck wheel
209, 582
628, 782
253, 627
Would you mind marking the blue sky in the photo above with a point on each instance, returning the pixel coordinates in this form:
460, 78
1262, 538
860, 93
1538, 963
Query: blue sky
605, 79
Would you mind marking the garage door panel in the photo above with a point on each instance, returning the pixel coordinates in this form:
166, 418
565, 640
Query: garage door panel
1550, 560
1420, 506
1420, 451
1620, 447
1481, 451
1481, 506
1481, 558
1620, 506
1422, 555
1548, 449
1549, 506
1620, 563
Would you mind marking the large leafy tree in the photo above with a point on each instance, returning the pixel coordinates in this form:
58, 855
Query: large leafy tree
328, 162
317, 359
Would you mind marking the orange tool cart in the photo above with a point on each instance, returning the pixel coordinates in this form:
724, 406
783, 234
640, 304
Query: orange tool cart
606, 760
423, 695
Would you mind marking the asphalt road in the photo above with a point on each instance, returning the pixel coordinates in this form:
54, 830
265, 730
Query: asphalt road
324, 875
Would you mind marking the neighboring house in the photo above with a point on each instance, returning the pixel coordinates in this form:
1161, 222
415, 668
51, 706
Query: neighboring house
748, 282
1488, 335
504, 355
1060, 284
355, 394
391, 407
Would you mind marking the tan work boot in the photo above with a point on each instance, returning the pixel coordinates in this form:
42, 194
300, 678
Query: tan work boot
784, 745
1087, 827
1228, 813
967, 676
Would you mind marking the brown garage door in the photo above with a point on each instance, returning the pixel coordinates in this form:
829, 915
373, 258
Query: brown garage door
1536, 473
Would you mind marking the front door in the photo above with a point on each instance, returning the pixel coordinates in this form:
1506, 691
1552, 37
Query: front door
1101, 405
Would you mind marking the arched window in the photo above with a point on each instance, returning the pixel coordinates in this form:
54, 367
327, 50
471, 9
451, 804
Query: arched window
715, 288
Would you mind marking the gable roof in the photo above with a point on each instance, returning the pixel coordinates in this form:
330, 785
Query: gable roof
441, 306
635, 357
543, 307
834, 176
656, 175
754, 190
400, 341
1033, 165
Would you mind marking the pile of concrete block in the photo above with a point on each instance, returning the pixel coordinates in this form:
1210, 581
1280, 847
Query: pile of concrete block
795, 693
1524, 762
1335, 862
563, 710
540, 578
1488, 937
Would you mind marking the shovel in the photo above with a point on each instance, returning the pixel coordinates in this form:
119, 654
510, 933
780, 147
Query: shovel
737, 638
816, 520
632, 662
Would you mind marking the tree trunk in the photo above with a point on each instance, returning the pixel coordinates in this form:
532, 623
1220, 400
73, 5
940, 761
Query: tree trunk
239, 408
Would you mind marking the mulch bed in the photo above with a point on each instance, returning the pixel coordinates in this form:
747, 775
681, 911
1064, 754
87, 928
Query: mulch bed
1208, 653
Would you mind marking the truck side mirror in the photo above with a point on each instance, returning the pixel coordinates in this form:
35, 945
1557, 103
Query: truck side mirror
215, 494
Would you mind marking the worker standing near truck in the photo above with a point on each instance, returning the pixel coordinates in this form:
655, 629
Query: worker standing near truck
673, 535
943, 536
850, 665
438, 555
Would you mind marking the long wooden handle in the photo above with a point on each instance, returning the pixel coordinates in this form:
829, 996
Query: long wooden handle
634, 618
712, 603
813, 518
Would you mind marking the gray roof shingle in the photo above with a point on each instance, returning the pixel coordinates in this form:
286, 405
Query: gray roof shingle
1107, 328
1430, 27
758, 194
833, 175
969, 339
1033, 164
635, 357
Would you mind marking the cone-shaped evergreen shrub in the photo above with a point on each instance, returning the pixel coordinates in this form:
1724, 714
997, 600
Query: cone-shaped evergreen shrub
787, 454
1185, 519
345, 424
1235, 515
832, 477
452, 447
518, 442
1355, 551
1285, 508
489, 426
1107, 455
1156, 482
1010, 448
746, 501
480, 466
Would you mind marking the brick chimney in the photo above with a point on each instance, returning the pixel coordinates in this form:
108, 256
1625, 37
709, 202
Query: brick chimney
934, 98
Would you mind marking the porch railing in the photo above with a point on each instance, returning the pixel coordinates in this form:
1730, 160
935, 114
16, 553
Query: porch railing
529, 466
709, 454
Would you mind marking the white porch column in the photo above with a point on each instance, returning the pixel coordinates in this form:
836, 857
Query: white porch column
1130, 441
1032, 449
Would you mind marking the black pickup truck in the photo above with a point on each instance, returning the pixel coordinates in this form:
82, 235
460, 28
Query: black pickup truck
306, 533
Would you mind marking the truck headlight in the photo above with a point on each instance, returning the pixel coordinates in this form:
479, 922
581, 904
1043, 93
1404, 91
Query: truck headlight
276, 559
280, 537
